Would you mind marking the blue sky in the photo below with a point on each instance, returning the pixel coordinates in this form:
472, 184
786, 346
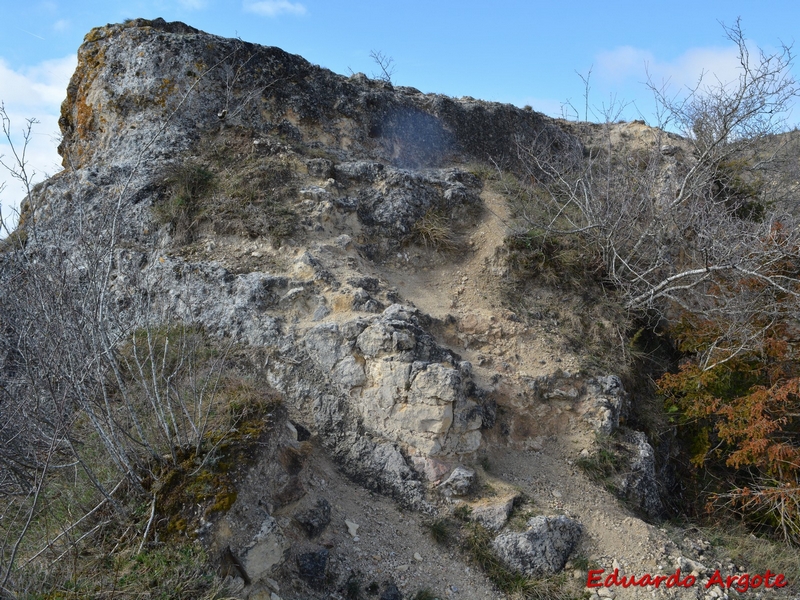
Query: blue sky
522, 52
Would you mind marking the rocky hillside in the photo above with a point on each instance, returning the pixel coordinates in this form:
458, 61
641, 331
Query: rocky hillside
347, 239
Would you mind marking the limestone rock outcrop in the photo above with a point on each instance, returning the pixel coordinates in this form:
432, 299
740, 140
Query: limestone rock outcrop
362, 373
377, 389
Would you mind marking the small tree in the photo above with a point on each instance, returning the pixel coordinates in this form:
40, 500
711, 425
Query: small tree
386, 65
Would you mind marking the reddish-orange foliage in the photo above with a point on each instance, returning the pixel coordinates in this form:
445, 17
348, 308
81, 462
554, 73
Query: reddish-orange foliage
744, 413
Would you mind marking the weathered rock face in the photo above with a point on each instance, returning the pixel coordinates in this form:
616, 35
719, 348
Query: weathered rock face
378, 390
606, 402
362, 375
132, 77
325, 313
639, 484
403, 385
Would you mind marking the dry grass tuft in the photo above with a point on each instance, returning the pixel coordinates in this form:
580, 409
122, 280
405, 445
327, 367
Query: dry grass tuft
434, 230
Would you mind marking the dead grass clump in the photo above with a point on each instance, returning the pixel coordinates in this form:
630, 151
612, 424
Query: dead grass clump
102, 571
569, 262
231, 186
483, 171
557, 283
442, 531
732, 541
187, 185
435, 231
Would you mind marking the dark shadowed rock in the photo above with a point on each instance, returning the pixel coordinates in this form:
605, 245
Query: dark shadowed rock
312, 566
315, 519
391, 592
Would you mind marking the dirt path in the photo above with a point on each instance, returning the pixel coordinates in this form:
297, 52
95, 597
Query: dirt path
464, 290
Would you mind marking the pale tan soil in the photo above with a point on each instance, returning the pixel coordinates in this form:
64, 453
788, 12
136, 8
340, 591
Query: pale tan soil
464, 286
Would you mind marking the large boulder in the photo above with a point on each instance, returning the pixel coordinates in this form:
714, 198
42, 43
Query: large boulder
543, 549
401, 383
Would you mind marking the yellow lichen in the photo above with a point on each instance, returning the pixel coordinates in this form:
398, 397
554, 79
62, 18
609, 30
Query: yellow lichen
95, 34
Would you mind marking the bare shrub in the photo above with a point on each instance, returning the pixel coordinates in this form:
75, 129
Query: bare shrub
693, 233
678, 235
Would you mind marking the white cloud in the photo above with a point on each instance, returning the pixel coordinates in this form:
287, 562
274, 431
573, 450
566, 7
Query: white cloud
49, 7
32, 93
627, 62
36, 88
61, 25
274, 8
623, 62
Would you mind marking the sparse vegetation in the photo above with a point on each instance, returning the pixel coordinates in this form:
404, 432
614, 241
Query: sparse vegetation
187, 480
385, 64
15, 240
352, 587
188, 184
483, 171
230, 188
520, 514
485, 463
558, 284
476, 542
441, 531
702, 250
603, 462
463, 512
756, 554
172, 571
435, 231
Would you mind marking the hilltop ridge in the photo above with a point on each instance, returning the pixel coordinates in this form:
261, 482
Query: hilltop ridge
341, 246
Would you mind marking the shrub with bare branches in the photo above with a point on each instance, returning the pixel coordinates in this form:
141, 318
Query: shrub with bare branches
695, 232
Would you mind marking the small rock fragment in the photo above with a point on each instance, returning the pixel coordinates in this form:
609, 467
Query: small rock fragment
352, 528
391, 593
493, 516
312, 565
